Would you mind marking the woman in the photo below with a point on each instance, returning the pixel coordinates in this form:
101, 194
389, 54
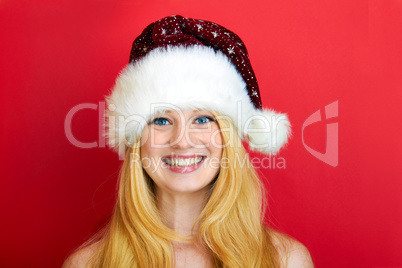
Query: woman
188, 195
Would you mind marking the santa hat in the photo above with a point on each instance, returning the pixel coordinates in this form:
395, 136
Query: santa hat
183, 63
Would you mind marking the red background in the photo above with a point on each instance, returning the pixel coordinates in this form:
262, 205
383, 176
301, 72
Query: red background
306, 54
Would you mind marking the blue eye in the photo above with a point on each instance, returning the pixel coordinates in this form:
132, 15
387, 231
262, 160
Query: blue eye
203, 119
160, 121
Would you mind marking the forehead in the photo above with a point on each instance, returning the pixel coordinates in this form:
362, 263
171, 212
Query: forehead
185, 112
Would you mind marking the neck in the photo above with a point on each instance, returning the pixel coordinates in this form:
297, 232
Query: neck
180, 211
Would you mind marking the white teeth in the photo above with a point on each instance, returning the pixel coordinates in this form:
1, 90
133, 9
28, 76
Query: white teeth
183, 162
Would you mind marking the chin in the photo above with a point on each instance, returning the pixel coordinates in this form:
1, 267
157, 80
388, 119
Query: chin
184, 183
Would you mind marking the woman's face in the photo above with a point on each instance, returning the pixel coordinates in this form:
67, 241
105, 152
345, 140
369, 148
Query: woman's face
181, 150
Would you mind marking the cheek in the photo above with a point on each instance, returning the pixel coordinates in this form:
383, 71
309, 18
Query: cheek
216, 139
151, 139
145, 145
144, 138
146, 157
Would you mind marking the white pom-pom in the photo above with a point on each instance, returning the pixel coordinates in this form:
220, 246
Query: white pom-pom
267, 131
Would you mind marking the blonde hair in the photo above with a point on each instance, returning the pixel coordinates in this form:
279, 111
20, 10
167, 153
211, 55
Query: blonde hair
230, 225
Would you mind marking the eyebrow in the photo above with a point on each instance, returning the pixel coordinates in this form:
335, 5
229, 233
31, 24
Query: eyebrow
194, 111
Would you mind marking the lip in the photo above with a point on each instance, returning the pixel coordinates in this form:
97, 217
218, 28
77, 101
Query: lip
184, 156
187, 169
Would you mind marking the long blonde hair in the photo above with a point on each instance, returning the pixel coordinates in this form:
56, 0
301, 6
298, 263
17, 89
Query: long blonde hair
230, 225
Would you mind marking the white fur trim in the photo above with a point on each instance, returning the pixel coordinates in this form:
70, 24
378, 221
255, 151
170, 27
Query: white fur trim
194, 77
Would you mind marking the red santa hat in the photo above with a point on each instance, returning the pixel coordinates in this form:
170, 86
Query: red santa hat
183, 63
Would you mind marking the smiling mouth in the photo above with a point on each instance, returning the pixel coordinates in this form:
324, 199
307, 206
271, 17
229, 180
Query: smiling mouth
183, 162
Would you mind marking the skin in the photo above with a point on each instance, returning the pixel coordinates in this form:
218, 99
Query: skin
295, 255
182, 134
180, 196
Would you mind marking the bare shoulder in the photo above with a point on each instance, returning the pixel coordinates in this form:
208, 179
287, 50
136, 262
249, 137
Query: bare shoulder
293, 254
80, 258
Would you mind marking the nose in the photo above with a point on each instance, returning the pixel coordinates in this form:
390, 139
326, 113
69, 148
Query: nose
180, 138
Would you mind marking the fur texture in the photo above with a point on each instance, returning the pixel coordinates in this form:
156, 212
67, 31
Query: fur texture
194, 77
